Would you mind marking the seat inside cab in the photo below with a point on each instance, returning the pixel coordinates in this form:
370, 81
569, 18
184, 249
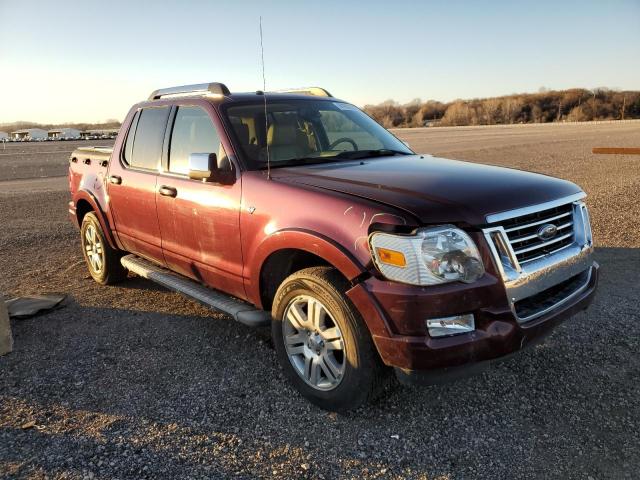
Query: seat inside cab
288, 136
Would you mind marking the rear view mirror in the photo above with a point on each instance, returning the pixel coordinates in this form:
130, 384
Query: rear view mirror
202, 165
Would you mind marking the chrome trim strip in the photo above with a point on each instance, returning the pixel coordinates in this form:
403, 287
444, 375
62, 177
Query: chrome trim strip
538, 222
213, 88
547, 271
528, 260
540, 245
500, 236
535, 235
519, 212
313, 91
585, 224
577, 292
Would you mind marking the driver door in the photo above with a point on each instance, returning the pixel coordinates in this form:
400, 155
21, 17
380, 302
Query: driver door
199, 221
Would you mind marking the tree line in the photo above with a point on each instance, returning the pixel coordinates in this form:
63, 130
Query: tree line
574, 105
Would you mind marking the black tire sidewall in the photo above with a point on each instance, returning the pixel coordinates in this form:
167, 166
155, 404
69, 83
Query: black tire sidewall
91, 219
359, 375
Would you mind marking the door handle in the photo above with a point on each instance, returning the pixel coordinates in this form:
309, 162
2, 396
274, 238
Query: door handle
115, 179
168, 191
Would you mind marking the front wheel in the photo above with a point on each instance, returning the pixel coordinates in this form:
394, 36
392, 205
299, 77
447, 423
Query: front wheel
322, 343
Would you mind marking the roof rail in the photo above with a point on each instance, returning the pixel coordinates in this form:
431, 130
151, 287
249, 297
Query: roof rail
213, 88
313, 91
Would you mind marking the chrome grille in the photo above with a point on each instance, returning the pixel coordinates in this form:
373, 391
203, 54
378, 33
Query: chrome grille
522, 232
536, 268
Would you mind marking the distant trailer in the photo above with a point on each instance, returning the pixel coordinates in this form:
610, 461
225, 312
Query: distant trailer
63, 134
29, 134
101, 133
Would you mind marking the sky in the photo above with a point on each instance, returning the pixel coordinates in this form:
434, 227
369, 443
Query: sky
89, 61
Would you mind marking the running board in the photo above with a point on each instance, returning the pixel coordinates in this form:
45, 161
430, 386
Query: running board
241, 311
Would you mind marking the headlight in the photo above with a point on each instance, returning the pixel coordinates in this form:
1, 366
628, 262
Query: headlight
430, 256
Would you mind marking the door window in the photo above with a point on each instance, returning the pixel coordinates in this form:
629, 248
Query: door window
193, 132
149, 135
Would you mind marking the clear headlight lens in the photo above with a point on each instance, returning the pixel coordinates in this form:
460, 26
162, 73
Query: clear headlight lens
429, 257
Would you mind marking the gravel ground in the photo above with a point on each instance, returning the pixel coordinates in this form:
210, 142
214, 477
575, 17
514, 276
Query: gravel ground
40, 159
133, 381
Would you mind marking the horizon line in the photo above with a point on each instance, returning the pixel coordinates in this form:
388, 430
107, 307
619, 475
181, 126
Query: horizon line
541, 91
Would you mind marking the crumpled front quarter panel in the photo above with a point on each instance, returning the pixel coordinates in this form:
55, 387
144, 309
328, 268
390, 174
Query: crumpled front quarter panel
334, 226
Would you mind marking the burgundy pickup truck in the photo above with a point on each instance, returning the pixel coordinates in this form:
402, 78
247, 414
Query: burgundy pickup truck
297, 210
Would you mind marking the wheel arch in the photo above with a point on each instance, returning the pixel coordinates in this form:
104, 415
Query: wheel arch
288, 251
85, 202
279, 265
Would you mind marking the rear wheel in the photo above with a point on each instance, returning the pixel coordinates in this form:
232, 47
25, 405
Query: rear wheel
103, 262
322, 343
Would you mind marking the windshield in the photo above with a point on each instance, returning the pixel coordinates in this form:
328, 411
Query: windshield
302, 132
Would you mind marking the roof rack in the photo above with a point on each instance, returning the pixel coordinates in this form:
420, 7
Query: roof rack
213, 88
313, 91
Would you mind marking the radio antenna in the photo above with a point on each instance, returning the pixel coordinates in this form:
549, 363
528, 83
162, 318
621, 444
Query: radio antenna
264, 94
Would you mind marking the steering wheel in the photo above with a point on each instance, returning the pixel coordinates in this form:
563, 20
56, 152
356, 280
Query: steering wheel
343, 140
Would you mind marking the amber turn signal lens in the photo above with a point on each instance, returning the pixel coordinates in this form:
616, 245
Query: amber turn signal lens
391, 257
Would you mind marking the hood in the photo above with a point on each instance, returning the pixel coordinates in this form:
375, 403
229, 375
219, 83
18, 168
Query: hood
434, 190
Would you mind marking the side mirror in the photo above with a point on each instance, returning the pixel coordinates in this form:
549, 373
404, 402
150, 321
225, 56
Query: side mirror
204, 166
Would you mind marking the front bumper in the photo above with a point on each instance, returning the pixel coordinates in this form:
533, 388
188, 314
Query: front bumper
422, 359
515, 304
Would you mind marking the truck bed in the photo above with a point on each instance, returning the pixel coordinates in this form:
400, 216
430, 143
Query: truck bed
97, 154
87, 163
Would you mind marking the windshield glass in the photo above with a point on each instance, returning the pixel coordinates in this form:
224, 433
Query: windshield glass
301, 132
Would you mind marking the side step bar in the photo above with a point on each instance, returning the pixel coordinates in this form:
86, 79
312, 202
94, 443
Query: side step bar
239, 310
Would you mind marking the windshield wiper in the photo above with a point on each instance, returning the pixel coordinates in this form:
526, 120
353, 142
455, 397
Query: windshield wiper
381, 152
353, 155
301, 161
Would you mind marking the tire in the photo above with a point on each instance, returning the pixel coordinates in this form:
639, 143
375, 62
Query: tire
342, 379
103, 262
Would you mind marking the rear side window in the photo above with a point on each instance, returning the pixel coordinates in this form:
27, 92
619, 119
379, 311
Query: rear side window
128, 147
193, 132
149, 135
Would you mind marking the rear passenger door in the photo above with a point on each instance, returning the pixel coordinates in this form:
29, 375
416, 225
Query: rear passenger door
200, 221
132, 184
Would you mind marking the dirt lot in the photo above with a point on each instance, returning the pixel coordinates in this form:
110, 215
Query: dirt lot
134, 381
40, 159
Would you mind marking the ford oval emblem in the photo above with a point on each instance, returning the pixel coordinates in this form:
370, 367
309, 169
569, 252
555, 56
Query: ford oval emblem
547, 231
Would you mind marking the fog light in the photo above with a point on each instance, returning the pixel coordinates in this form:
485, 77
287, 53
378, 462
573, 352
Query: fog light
440, 327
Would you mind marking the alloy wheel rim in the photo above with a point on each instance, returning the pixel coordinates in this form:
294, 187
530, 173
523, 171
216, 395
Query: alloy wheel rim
93, 249
314, 343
